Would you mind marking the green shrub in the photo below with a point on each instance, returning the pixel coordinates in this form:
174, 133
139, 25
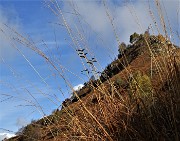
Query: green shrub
119, 82
141, 85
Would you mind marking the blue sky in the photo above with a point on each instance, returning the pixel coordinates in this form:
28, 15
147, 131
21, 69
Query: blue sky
26, 76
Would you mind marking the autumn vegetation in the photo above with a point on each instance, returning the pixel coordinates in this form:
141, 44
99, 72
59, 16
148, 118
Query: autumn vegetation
132, 102
136, 97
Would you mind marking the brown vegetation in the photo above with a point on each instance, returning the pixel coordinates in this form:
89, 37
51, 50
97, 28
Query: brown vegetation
138, 99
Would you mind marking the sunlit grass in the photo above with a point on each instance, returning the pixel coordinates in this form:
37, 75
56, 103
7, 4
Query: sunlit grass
137, 102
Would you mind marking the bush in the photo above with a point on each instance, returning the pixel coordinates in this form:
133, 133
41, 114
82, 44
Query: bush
141, 85
119, 82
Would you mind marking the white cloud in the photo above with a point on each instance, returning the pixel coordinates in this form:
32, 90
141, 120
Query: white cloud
6, 135
78, 87
124, 17
94, 14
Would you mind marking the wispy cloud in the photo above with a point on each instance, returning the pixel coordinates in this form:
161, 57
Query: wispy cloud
11, 19
6, 135
128, 17
50, 43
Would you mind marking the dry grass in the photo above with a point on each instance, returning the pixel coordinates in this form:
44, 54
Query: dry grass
144, 106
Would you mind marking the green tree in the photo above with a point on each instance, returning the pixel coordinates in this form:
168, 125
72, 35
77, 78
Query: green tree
134, 37
122, 47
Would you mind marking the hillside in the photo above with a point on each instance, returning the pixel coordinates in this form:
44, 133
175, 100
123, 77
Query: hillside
136, 95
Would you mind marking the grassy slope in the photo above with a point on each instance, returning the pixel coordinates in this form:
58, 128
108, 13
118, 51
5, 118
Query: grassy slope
121, 111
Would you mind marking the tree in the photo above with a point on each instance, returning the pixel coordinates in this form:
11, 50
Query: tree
122, 47
134, 37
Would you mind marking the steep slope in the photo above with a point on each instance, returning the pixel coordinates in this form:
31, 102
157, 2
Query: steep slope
137, 95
